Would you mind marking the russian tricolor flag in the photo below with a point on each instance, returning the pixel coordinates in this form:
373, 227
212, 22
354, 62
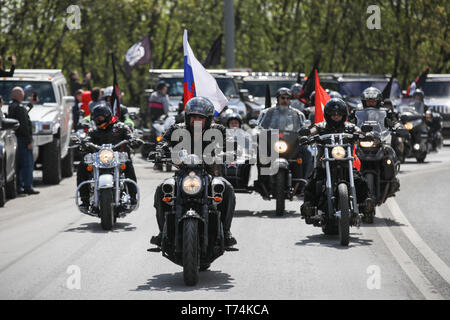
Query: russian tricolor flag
198, 82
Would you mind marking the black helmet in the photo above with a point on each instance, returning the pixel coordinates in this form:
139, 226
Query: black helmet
234, 116
283, 90
419, 93
296, 88
371, 93
334, 95
335, 106
101, 109
200, 106
161, 84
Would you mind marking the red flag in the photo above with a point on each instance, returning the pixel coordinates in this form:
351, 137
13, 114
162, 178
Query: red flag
418, 82
356, 161
321, 99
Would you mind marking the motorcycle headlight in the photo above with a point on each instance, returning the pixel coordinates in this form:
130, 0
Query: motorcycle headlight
88, 158
192, 183
409, 125
367, 144
338, 152
106, 156
281, 146
123, 157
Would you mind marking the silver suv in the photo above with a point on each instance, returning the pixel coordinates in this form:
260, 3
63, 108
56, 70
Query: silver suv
437, 96
51, 119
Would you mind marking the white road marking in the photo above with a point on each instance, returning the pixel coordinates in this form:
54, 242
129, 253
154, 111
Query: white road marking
437, 263
405, 262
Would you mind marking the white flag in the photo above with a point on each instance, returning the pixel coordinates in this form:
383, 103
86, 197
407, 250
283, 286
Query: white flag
205, 84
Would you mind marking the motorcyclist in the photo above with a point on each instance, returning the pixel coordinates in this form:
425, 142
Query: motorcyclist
433, 120
198, 110
335, 114
283, 104
108, 131
296, 90
158, 102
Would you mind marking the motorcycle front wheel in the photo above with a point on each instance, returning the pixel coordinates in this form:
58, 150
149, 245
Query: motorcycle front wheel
191, 252
279, 192
106, 208
344, 220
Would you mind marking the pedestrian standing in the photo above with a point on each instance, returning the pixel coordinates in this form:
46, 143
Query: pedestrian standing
24, 140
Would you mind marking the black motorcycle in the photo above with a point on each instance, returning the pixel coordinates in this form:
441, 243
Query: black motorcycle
379, 162
193, 235
412, 117
434, 123
337, 208
154, 135
283, 177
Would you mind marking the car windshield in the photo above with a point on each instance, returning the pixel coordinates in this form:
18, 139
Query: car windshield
176, 86
282, 119
43, 89
374, 118
355, 88
258, 88
437, 89
227, 86
411, 106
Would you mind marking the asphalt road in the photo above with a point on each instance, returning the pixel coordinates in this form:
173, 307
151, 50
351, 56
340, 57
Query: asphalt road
49, 250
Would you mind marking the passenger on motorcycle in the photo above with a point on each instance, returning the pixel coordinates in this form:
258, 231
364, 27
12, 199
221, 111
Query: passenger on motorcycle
108, 131
124, 116
335, 113
198, 110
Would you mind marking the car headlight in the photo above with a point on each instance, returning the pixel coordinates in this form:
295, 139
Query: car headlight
338, 152
409, 125
367, 144
45, 127
281, 146
106, 156
192, 183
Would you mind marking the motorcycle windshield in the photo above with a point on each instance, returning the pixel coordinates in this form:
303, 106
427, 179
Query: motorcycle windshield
374, 118
283, 119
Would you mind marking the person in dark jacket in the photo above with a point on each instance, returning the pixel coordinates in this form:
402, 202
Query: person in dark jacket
198, 110
24, 140
9, 73
75, 84
107, 132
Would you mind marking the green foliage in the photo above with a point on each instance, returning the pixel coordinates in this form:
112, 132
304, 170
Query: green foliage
278, 35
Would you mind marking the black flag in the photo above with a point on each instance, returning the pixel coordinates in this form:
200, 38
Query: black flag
138, 54
387, 90
214, 54
115, 99
268, 99
309, 85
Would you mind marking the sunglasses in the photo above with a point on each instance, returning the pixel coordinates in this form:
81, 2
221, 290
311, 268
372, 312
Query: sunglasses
285, 98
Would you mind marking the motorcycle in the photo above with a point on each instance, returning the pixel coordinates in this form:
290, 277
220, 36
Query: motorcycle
193, 235
337, 208
379, 162
434, 123
288, 170
413, 118
153, 136
237, 172
109, 195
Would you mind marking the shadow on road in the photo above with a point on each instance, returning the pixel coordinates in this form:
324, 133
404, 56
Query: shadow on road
208, 280
378, 222
95, 227
266, 214
333, 241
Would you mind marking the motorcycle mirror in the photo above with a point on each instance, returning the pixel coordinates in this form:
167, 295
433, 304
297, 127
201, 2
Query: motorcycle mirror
366, 128
253, 123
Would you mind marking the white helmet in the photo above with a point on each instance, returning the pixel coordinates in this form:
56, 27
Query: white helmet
108, 91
